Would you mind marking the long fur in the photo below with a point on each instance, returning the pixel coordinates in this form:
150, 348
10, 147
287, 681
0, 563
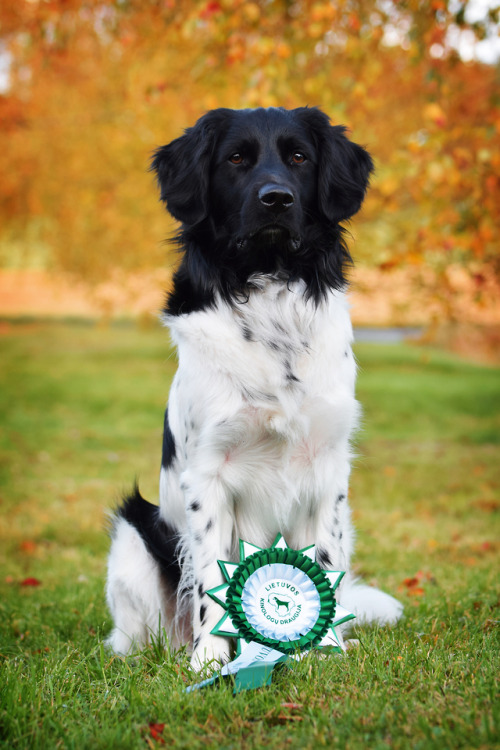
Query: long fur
262, 407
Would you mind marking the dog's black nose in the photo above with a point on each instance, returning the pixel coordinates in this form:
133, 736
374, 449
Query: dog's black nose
276, 197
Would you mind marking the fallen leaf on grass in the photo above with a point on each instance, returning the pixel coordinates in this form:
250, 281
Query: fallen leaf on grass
417, 591
283, 718
155, 731
470, 561
487, 506
490, 624
28, 547
31, 582
413, 585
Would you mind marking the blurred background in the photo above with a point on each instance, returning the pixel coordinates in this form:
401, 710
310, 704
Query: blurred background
89, 88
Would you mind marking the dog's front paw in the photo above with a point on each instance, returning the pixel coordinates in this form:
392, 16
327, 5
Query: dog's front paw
211, 651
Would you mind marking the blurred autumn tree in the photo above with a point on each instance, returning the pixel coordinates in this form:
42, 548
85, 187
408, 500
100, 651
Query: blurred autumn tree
93, 86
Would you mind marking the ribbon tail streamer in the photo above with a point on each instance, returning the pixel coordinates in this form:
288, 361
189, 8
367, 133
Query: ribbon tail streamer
252, 669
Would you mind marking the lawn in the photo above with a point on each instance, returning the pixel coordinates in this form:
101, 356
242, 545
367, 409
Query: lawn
81, 415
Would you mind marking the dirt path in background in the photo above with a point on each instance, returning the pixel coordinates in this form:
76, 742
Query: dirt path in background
377, 299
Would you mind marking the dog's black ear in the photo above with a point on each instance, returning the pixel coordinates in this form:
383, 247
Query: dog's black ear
183, 168
344, 168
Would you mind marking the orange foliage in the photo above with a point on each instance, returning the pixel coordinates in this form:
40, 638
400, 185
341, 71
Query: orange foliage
96, 85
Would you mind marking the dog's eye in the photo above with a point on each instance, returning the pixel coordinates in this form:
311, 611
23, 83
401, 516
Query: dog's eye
236, 159
298, 158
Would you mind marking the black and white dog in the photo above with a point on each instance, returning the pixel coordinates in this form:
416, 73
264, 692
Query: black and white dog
262, 407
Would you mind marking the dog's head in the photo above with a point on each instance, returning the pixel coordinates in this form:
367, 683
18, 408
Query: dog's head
263, 186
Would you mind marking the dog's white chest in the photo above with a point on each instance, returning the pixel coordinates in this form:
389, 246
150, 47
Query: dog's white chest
275, 345
264, 390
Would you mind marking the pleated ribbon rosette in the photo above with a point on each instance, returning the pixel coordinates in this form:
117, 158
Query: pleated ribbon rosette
278, 604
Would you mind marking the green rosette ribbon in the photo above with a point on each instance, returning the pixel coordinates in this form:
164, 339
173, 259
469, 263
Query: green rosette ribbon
279, 603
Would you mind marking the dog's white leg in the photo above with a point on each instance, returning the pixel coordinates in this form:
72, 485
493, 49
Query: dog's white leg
334, 543
333, 533
210, 528
334, 539
135, 592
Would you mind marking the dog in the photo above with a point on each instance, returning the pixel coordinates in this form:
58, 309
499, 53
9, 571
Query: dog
261, 410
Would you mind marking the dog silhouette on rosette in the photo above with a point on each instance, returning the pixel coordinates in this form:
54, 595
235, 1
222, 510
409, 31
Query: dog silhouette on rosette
283, 605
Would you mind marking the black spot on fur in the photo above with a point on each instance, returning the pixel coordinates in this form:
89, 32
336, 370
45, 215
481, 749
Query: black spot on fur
200, 590
168, 449
209, 525
196, 642
203, 613
340, 498
257, 395
289, 373
247, 333
194, 506
323, 558
161, 539
340, 536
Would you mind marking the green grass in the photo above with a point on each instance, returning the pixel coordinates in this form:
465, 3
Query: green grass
81, 415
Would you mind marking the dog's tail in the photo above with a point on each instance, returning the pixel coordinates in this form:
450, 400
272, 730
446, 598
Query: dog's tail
161, 540
370, 605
